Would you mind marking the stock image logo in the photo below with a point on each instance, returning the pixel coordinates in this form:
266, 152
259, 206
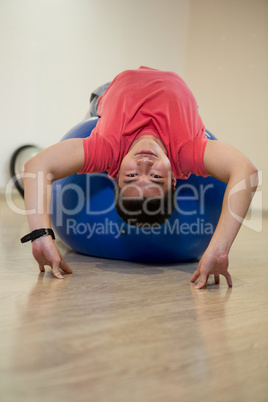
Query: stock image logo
195, 201
110, 228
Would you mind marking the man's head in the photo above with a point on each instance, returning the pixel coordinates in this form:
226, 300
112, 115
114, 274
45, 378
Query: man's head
146, 184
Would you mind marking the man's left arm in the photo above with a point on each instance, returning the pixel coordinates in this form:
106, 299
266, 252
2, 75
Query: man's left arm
230, 166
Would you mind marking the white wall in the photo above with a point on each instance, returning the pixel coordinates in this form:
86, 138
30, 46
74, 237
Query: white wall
55, 52
226, 66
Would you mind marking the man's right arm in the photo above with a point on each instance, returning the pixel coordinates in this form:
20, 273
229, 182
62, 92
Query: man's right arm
53, 163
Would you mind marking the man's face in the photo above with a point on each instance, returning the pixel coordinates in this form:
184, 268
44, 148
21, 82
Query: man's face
145, 171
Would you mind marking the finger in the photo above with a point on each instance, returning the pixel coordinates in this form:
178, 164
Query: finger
195, 276
56, 270
217, 279
229, 280
57, 274
65, 267
42, 268
202, 281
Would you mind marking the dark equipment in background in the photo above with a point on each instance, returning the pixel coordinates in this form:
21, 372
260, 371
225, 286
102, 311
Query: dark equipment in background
17, 162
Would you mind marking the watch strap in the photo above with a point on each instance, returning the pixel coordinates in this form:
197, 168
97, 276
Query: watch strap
36, 234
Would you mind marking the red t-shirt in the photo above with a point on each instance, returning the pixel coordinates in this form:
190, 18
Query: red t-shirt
147, 101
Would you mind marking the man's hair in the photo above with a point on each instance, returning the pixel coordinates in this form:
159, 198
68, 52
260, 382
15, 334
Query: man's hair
145, 212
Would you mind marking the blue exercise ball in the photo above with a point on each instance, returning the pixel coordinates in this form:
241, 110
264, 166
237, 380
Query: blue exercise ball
83, 215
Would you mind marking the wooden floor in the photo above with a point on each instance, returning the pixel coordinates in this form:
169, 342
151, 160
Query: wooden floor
124, 332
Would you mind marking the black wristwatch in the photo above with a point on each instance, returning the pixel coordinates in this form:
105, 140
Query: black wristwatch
36, 234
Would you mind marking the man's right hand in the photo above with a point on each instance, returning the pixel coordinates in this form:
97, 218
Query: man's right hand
46, 253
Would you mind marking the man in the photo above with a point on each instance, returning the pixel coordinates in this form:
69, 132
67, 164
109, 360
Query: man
148, 135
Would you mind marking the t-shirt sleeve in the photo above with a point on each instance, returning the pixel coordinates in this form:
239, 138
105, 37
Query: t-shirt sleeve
191, 155
98, 154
